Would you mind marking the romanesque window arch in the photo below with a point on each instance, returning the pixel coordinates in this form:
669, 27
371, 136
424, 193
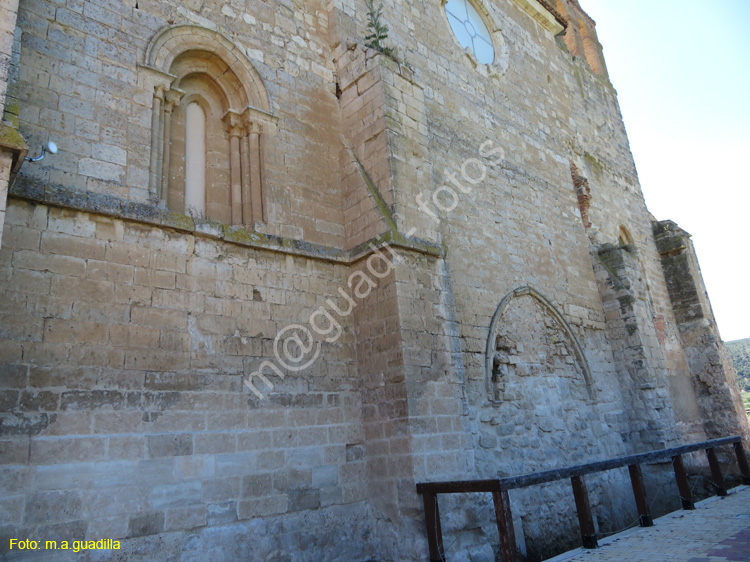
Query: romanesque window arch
209, 118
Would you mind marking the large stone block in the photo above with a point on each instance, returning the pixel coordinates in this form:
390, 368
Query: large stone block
169, 445
51, 507
146, 524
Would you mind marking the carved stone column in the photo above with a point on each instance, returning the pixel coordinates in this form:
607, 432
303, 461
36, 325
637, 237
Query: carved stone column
172, 100
258, 124
233, 124
255, 175
247, 198
157, 143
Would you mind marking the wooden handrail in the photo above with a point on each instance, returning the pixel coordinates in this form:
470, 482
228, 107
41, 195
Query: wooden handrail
499, 489
460, 487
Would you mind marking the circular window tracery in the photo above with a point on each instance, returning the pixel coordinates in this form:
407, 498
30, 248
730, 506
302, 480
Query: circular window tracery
470, 29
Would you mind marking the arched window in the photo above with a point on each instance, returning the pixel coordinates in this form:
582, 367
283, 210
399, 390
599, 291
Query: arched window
624, 237
209, 117
195, 159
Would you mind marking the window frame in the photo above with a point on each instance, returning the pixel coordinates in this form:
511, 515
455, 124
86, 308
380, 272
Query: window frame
246, 119
471, 15
499, 65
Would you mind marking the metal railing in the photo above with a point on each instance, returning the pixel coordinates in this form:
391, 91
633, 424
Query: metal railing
499, 489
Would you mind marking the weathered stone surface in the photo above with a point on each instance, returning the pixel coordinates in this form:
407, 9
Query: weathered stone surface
461, 251
146, 524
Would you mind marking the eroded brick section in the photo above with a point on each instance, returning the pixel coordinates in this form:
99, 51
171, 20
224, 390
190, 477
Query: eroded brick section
580, 35
583, 192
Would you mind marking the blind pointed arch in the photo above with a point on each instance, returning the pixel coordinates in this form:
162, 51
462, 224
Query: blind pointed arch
195, 66
562, 325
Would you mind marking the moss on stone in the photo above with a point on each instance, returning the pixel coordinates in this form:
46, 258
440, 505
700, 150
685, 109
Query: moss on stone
180, 221
594, 163
11, 138
241, 235
11, 114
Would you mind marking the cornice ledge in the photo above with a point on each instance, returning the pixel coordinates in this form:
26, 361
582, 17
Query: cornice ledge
107, 205
544, 14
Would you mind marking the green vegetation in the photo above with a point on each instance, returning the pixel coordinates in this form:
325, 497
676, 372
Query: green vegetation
740, 352
378, 33
378, 30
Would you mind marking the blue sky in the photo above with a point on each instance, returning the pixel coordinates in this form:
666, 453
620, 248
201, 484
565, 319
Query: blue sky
682, 72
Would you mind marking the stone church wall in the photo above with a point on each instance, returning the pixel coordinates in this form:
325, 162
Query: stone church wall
461, 252
125, 350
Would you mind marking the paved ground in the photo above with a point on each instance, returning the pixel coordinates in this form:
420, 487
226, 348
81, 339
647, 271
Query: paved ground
718, 530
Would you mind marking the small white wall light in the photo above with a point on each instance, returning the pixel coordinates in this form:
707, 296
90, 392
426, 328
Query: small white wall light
50, 147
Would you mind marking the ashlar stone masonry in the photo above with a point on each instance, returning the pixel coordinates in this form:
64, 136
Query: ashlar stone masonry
227, 173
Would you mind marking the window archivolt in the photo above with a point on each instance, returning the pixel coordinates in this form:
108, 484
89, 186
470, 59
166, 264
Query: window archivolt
210, 113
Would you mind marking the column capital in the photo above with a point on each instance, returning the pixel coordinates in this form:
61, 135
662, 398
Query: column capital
258, 121
160, 91
254, 128
233, 124
172, 98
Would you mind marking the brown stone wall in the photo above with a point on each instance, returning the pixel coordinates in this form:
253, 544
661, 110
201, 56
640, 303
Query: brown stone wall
80, 85
365, 158
127, 332
124, 350
387, 443
521, 225
8, 13
6, 162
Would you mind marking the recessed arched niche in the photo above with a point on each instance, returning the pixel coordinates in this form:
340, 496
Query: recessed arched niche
210, 116
531, 342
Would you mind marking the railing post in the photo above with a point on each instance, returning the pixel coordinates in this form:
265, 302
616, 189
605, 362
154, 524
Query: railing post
739, 450
683, 485
713, 462
505, 525
585, 518
639, 490
434, 532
